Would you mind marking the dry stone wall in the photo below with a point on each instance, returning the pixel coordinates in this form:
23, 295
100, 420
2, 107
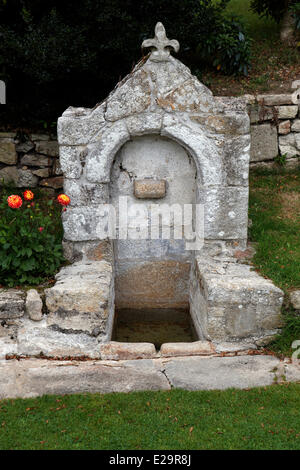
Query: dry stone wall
30, 160
275, 128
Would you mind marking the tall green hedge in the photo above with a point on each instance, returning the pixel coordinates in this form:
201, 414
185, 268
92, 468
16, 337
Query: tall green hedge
56, 53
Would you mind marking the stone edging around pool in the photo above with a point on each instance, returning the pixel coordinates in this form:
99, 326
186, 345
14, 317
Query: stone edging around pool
35, 377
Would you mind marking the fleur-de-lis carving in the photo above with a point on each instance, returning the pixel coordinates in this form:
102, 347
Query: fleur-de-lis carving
160, 44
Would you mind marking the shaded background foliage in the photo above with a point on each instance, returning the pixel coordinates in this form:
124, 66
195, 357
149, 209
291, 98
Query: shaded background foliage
59, 53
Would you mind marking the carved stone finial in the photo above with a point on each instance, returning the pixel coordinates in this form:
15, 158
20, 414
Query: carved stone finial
160, 44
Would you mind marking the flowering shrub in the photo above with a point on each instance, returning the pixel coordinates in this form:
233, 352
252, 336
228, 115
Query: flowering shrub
30, 238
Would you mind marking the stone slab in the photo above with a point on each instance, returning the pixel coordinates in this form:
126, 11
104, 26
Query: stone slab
295, 299
272, 100
196, 348
37, 377
82, 299
231, 302
34, 340
8, 153
221, 372
34, 305
115, 351
149, 189
296, 126
264, 142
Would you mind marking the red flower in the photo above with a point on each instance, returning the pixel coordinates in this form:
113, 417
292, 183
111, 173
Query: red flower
28, 195
41, 229
63, 199
14, 201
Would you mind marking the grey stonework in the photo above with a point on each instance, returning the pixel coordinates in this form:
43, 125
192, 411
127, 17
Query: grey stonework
82, 300
12, 303
34, 305
153, 123
295, 299
275, 128
231, 302
29, 161
36, 377
162, 128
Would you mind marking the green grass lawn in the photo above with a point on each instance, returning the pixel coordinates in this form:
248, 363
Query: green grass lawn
263, 418
275, 213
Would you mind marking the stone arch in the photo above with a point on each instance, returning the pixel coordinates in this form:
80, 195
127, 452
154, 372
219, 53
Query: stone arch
190, 136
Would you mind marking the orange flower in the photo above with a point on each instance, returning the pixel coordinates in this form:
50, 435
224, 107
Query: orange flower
28, 195
14, 201
63, 199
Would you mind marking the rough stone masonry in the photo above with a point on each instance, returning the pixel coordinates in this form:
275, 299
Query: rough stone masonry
159, 136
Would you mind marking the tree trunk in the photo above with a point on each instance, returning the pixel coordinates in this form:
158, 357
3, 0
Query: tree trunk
287, 25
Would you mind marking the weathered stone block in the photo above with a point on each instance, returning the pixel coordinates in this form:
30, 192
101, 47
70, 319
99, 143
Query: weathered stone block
83, 193
47, 147
42, 172
296, 126
82, 299
295, 299
34, 159
92, 250
264, 142
24, 147
273, 100
225, 212
34, 305
197, 348
86, 223
231, 124
8, 154
56, 182
70, 160
287, 112
12, 303
236, 160
35, 339
9, 174
26, 179
284, 127
295, 84
211, 373
124, 351
145, 123
236, 302
37, 377
101, 155
290, 144
149, 189
261, 113
133, 97
77, 126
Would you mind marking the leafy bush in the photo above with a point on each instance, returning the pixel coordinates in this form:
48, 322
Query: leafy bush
30, 241
230, 50
54, 54
273, 8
